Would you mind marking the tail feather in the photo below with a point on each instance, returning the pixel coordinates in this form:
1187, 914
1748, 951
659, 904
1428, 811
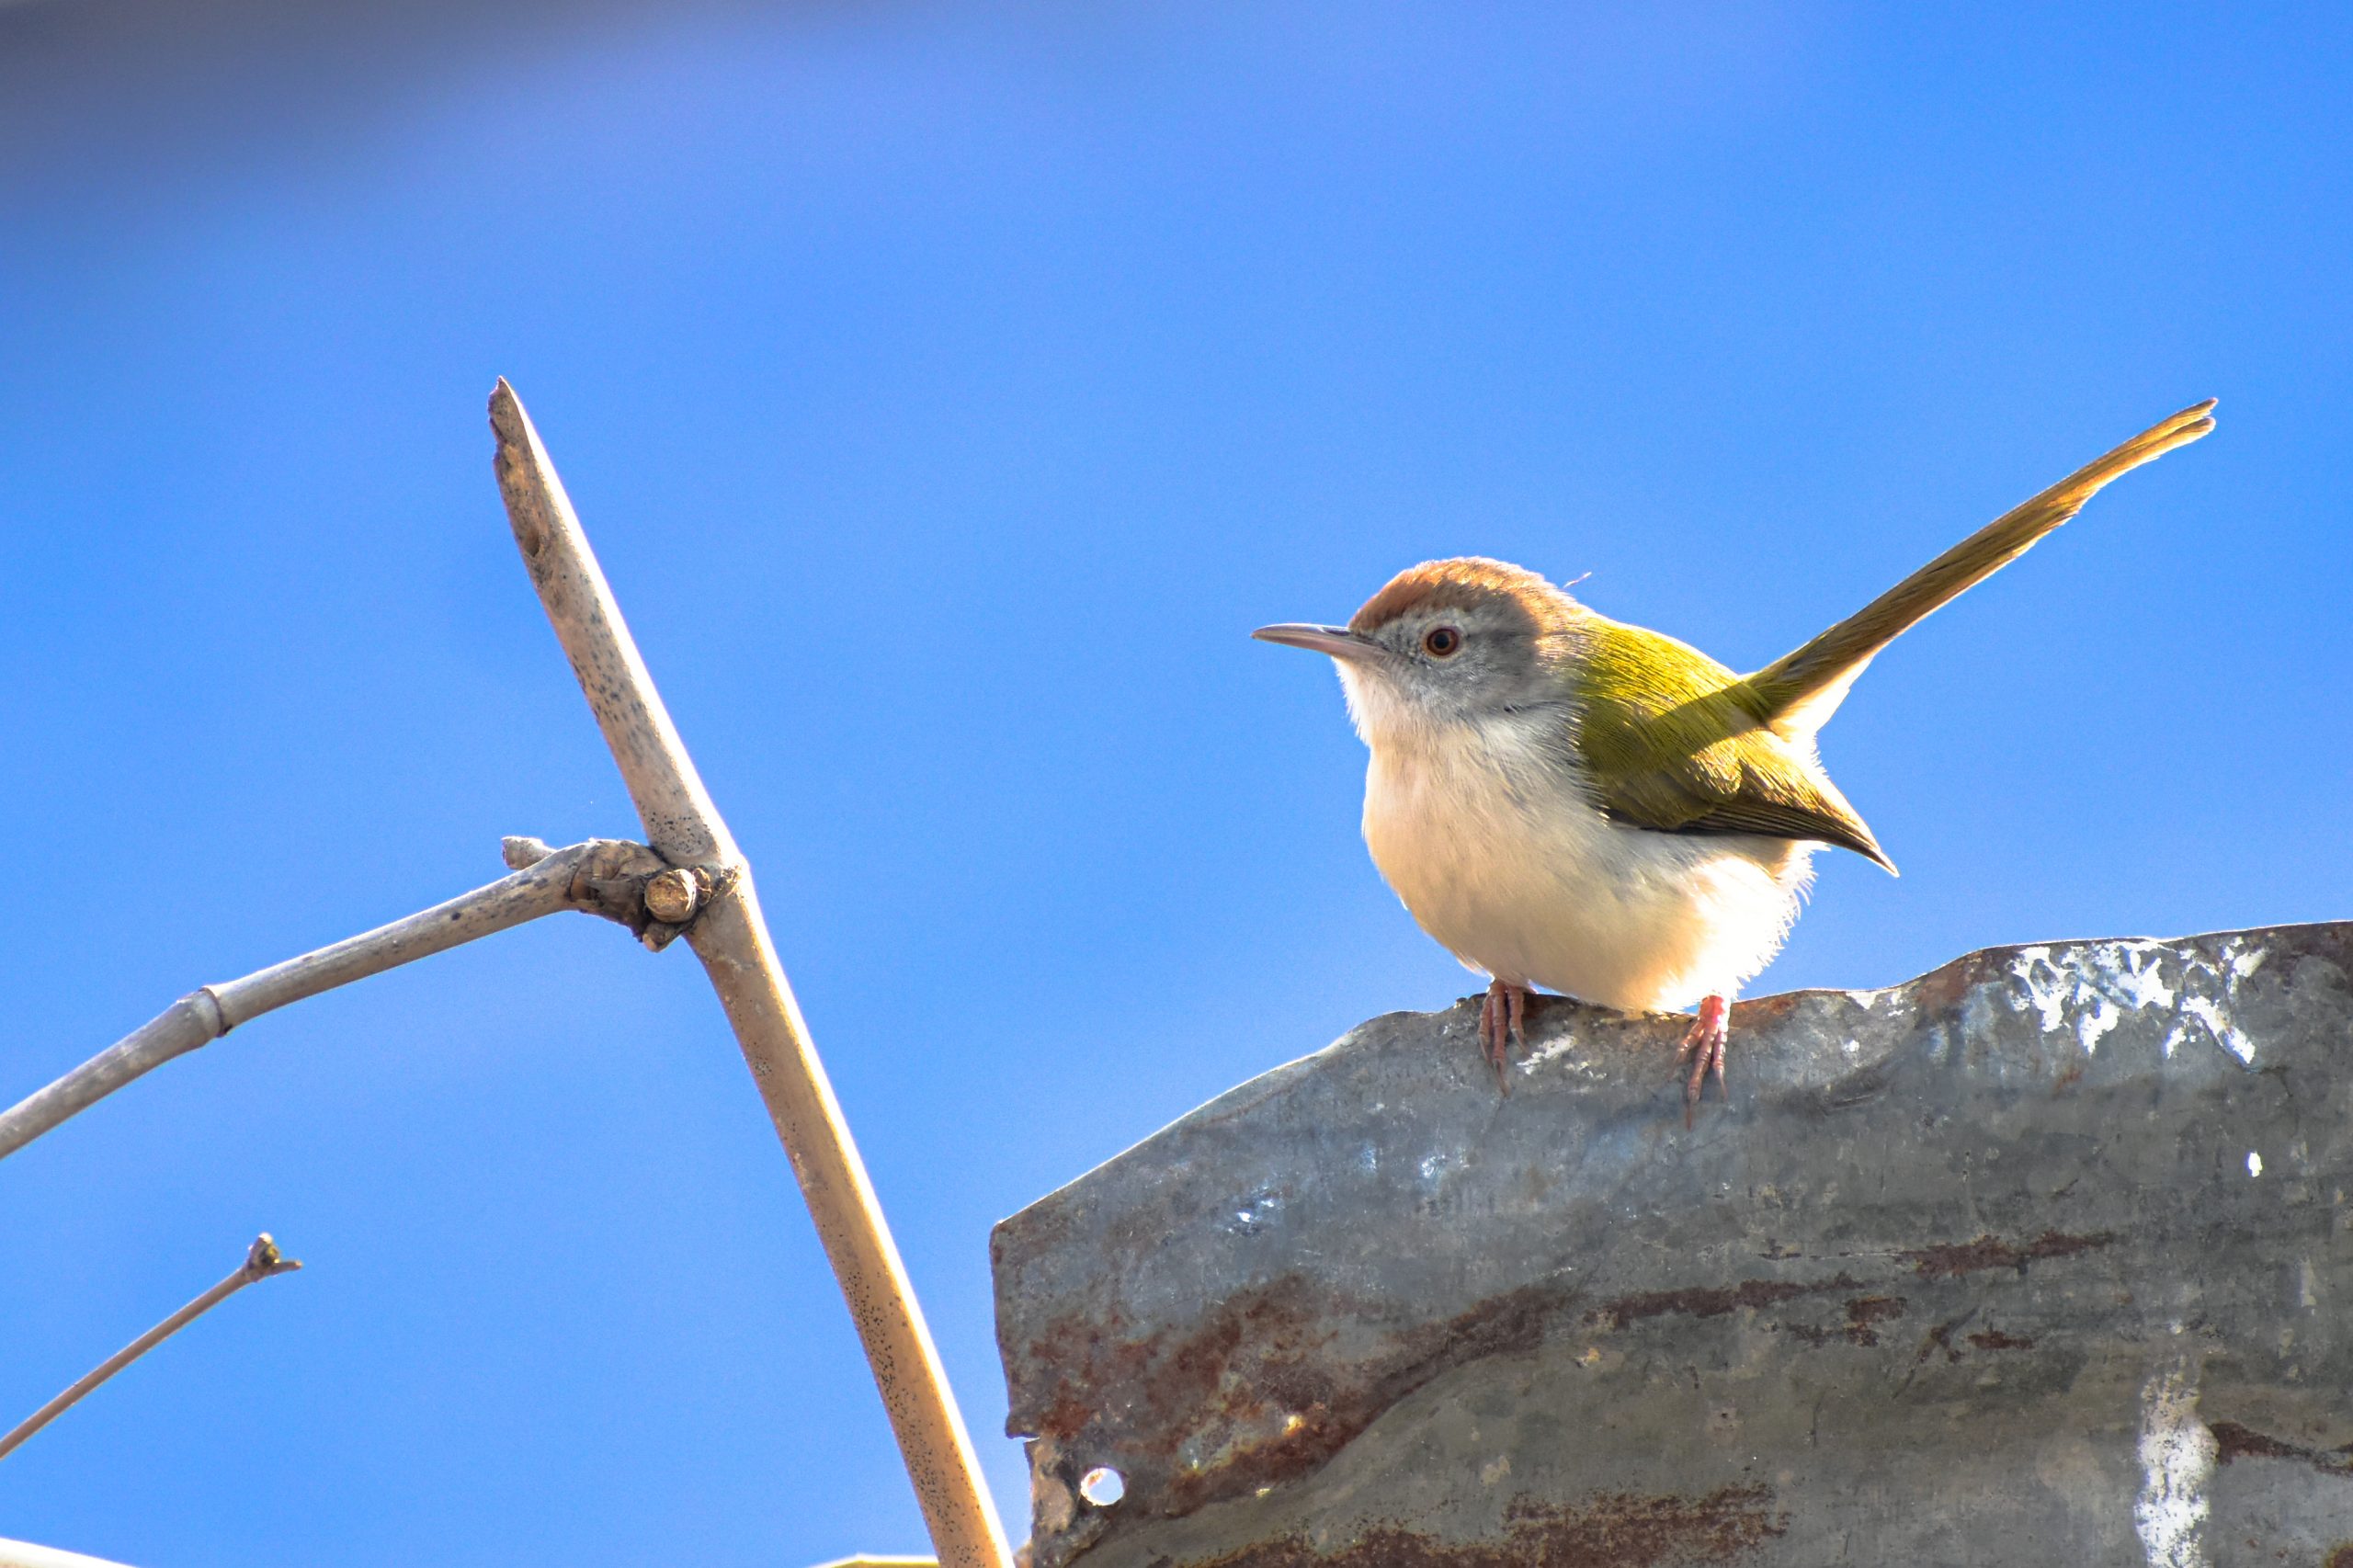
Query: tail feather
1801, 689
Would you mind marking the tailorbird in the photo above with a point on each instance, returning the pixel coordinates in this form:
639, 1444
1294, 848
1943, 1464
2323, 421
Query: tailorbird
1565, 801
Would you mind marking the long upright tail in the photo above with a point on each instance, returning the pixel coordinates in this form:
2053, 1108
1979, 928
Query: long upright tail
1801, 689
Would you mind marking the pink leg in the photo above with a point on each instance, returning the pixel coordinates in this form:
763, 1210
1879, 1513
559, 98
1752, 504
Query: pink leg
1501, 1012
1705, 1046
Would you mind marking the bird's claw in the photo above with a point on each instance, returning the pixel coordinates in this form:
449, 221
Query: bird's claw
1501, 1014
1704, 1045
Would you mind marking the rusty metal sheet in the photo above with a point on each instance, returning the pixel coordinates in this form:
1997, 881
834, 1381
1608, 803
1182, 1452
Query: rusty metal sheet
2048, 1252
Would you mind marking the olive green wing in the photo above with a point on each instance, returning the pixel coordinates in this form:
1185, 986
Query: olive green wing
1676, 742
1673, 741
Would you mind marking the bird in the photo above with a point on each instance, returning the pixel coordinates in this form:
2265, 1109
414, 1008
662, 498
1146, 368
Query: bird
1565, 801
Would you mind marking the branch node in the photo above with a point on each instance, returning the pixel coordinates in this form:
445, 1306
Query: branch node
709, 887
611, 880
673, 897
521, 852
263, 1259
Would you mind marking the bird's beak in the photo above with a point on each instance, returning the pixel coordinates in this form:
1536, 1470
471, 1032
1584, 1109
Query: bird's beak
1336, 641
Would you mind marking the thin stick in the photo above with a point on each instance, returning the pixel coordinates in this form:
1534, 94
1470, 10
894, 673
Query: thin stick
731, 940
602, 875
261, 1261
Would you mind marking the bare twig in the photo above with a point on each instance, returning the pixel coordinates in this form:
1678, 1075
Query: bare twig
731, 940
602, 875
261, 1260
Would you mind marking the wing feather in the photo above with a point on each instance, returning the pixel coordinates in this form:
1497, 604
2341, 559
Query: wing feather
1673, 741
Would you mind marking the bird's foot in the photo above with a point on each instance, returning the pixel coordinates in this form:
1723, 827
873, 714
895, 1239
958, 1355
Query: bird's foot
1501, 1012
1705, 1047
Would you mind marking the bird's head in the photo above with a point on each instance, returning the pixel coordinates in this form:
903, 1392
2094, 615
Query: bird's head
1448, 642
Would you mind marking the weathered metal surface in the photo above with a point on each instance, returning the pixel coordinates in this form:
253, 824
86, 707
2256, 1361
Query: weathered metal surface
2045, 1257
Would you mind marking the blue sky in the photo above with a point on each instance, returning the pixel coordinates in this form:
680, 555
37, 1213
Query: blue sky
949, 390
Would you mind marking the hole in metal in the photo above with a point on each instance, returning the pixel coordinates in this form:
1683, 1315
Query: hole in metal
1102, 1486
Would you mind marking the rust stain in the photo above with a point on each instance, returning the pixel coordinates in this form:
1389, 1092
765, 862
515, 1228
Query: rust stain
1713, 1301
1254, 1396
1864, 1313
1614, 1530
1942, 990
1940, 1339
1954, 1259
2233, 1441
2340, 1558
1865, 1310
1759, 1011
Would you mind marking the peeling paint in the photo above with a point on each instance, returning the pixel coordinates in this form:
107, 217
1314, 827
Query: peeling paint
2210, 997
2176, 1455
2219, 1027
2093, 986
1566, 1048
2103, 981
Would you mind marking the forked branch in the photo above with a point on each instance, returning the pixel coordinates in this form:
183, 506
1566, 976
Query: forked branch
261, 1260
732, 939
692, 881
602, 875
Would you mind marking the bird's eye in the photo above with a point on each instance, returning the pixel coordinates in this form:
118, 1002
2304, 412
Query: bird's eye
1442, 641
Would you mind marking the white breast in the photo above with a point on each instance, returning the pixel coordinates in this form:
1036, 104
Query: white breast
1517, 875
